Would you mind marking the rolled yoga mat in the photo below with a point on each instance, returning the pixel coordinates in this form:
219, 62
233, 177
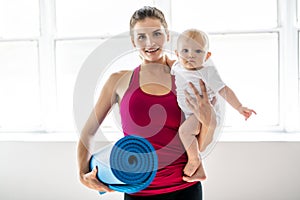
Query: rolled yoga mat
129, 165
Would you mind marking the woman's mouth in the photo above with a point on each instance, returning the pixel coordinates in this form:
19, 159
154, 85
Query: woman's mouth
152, 50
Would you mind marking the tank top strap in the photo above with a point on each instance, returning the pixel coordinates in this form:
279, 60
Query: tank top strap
135, 81
173, 84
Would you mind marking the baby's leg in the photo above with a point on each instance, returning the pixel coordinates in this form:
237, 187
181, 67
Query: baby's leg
188, 131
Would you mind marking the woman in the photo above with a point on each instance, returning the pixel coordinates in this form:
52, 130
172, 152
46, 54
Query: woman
148, 108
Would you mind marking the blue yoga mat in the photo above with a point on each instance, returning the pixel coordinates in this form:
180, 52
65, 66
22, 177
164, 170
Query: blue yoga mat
129, 165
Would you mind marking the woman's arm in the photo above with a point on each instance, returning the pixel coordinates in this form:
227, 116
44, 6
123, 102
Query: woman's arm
204, 112
107, 98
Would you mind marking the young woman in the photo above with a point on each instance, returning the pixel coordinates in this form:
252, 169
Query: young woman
148, 108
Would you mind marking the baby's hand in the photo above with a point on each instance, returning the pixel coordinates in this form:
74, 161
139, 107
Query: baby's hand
246, 112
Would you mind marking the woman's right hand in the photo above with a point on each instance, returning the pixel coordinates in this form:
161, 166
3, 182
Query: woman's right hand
200, 105
90, 180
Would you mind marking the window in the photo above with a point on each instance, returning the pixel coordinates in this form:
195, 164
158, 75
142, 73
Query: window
19, 86
41, 53
93, 18
248, 64
245, 49
298, 49
20, 102
69, 54
219, 15
14, 26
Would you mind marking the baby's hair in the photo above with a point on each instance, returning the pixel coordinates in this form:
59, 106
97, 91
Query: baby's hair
193, 34
145, 12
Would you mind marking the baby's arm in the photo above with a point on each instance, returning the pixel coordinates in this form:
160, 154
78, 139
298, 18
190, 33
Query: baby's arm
232, 99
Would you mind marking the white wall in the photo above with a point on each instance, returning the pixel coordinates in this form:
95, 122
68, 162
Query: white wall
235, 170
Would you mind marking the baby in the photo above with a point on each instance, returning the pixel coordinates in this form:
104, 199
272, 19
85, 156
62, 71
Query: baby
192, 52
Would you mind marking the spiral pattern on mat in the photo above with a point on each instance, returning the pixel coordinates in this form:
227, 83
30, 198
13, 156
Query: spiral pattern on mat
133, 160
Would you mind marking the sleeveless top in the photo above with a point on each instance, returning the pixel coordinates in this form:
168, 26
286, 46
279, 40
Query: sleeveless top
156, 118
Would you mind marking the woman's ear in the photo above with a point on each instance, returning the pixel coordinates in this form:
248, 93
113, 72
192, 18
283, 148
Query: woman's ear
133, 43
208, 55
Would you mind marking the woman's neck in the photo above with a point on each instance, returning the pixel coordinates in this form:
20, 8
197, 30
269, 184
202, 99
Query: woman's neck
157, 65
161, 61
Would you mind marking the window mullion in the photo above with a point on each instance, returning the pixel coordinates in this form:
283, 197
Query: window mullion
288, 65
47, 64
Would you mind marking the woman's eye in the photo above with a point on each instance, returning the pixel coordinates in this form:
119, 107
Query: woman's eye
141, 37
157, 34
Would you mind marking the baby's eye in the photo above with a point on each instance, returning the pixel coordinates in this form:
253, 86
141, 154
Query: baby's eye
199, 51
184, 51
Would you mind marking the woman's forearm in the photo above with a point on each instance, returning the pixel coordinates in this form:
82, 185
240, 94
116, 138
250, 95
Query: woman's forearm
83, 157
208, 130
85, 144
204, 112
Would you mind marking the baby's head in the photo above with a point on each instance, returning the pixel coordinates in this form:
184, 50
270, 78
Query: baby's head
192, 48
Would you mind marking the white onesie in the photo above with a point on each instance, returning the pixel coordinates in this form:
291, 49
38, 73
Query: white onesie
208, 74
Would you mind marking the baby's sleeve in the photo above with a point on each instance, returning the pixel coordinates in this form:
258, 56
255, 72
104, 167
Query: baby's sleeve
174, 68
213, 79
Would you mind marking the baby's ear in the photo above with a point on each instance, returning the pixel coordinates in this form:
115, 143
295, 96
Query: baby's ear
168, 34
176, 53
208, 55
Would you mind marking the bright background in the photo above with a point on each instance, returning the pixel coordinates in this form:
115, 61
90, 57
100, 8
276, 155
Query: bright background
43, 44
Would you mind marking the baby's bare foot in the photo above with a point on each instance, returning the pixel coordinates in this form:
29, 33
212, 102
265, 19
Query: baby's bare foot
191, 166
199, 175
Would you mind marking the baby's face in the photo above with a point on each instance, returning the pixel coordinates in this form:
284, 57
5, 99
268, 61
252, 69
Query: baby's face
191, 52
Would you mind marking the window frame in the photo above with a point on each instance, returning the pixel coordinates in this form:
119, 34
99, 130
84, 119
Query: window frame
289, 77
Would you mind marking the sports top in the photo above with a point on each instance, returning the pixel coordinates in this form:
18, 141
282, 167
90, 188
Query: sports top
156, 118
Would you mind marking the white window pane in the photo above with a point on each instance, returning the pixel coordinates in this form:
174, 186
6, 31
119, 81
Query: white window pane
19, 86
19, 18
248, 63
216, 15
94, 17
298, 11
70, 55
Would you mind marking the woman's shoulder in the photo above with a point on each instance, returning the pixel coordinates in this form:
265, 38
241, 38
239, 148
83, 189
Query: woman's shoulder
120, 74
120, 81
170, 62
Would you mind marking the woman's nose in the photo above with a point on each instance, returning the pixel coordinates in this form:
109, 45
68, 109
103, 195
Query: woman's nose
149, 41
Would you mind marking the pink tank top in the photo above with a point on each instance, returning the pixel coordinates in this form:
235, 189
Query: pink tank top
156, 118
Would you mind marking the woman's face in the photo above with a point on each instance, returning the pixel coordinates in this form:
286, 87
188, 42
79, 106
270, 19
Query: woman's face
149, 37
